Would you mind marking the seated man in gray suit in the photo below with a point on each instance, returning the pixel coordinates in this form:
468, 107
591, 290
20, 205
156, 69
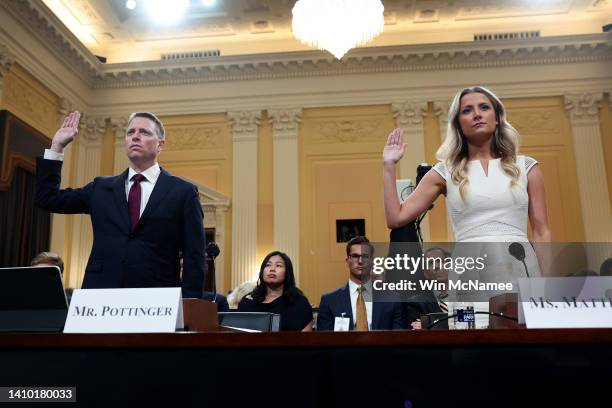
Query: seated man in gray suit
354, 300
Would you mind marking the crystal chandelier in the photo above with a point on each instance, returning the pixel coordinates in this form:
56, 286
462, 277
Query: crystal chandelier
337, 25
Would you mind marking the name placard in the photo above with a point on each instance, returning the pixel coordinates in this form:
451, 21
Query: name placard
134, 310
566, 302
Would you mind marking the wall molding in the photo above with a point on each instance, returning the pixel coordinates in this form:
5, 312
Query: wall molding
47, 28
372, 60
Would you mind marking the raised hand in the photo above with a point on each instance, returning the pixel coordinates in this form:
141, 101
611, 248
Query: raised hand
66, 132
395, 148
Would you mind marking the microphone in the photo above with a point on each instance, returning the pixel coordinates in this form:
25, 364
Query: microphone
518, 252
212, 250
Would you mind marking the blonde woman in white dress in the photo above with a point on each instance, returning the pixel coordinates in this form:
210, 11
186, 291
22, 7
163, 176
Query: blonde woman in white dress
490, 190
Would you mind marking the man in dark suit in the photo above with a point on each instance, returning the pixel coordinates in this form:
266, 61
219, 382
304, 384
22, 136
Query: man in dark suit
432, 301
219, 299
354, 300
142, 219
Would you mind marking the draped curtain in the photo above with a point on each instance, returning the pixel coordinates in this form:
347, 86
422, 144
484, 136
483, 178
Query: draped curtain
24, 228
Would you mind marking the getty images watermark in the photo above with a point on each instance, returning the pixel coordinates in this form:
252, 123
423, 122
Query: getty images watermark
404, 263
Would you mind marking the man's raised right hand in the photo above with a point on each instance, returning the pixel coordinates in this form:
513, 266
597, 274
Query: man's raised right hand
66, 132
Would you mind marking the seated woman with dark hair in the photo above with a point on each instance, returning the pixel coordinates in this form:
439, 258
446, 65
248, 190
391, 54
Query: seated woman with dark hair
276, 293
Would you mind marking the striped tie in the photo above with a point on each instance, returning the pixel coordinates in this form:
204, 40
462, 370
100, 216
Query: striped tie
443, 305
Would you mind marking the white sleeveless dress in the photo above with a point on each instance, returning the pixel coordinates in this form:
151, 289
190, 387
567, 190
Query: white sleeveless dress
492, 217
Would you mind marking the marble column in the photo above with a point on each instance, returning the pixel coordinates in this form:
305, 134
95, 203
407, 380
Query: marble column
244, 126
285, 126
593, 186
409, 116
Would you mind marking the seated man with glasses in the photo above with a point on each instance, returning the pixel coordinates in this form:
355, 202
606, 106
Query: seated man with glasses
353, 301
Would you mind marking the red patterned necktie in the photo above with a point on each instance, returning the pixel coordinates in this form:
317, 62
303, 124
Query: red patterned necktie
134, 199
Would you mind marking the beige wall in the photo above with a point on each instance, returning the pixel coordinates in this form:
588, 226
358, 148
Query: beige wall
605, 114
340, 178
107, 153
546, 136
199, 148
265, 190
340, 141
438, 225
30, 100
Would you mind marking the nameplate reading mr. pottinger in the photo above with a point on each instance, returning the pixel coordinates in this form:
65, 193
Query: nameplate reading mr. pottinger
136, 310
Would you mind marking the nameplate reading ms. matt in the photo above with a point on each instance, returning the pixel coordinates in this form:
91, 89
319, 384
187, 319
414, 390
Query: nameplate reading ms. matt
137, 310
566, 302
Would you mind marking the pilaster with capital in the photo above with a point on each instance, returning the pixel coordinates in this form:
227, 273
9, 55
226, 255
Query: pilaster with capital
285, 127
118, 126
244, 126
409, 116
441, 109
85, 160
220, 217
59, 222
583, 110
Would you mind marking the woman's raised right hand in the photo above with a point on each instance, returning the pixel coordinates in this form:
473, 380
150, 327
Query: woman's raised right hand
395, 148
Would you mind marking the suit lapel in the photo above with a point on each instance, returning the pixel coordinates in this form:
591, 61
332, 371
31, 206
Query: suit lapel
121, 200
345, 303
160, 192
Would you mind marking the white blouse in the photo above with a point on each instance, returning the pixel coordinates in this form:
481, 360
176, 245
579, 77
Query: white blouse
493, 210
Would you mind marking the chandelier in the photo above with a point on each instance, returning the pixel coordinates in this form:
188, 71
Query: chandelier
337, 25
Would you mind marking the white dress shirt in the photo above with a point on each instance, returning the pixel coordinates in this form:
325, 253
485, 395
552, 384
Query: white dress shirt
146, 186
367, 296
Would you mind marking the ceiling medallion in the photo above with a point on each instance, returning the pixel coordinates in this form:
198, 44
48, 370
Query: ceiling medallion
337, 25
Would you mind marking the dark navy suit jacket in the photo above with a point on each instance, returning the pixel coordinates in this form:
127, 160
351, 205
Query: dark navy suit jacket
219, 299
148, 256
385, 315
424, 303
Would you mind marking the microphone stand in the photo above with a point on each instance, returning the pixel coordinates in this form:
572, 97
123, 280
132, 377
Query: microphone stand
525, 266
417, 223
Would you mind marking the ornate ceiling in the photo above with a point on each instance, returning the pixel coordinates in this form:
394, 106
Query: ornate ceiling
237, 27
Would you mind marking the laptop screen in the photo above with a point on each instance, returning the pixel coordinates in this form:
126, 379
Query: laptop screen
34, 287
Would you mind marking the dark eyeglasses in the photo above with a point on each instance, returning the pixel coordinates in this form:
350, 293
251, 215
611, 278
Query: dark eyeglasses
364, 257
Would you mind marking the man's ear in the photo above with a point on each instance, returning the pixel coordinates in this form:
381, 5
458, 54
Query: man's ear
161, 144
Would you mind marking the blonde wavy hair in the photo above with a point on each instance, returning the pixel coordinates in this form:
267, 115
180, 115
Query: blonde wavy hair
454, 150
